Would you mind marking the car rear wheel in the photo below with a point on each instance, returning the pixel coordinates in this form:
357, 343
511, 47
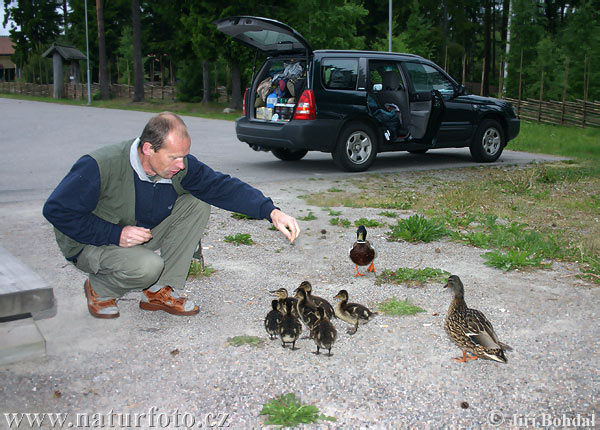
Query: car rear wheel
488, 143
289, 154
356, 148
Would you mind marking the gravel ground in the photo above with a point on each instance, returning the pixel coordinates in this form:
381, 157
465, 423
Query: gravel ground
396, 372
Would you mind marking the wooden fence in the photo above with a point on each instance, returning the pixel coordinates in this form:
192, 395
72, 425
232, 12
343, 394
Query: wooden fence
578, 113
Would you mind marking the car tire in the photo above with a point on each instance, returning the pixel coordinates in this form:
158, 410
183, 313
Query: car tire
289, 154
356, 148
488, 143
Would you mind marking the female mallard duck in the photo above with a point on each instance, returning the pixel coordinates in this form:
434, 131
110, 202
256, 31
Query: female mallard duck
283, 298
470, 329
290, 327
307, 310
362, 253
318, 301
323, 332
352, 313
273, 320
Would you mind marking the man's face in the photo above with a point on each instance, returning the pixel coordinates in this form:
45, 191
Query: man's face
168, 160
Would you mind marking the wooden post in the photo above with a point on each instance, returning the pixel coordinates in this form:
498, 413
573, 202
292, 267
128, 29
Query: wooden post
520, 85
482, 76
585, 88
464, 71
541, 95
501, 78
128, 81
564, 97
162, 78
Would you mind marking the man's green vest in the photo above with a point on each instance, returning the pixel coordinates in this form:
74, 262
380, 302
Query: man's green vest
116, 202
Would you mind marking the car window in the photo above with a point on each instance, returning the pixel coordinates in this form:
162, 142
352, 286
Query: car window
379, 78
339, 73
427, 78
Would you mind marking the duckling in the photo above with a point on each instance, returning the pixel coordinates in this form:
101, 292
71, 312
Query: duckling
290, 327
470, 329
362, 253
323, 332
352, 313
318, 301
282, 294
307, 310
273, 320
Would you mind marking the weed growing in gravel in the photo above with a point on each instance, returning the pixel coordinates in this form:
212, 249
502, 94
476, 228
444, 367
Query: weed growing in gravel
245, 340
288, 411
311, 216
334, 190
198, 271
340, 221
406, 275
334, 213
395, 308
240, 216
513, 259
417, 228
239, 239
367, 222
389, 214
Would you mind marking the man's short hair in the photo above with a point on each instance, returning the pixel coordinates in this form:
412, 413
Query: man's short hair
159, 127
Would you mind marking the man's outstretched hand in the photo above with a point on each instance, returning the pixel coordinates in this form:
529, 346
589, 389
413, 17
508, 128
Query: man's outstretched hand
132, 236
285, 224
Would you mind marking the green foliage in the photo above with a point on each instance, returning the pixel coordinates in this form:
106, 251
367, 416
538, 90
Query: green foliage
239, 239
340, 221
417, 228
310, 217
396, 308
189, 83
197, 271
367, 222
334, 190
245, 340
406, 275
513, 259
288, 411
241, 216
334, 213
389, 214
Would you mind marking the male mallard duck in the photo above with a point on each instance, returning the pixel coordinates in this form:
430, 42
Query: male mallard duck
362, 253
323, 332
273, 320
470, 329
290, 327
318, 301
283, 298
352, 313
307, 310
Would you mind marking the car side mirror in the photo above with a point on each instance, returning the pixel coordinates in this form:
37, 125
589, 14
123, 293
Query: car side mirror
460, 91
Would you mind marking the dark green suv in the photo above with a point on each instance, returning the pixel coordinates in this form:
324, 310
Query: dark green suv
355, 104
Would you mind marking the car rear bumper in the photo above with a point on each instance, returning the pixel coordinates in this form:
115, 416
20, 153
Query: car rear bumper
312, 135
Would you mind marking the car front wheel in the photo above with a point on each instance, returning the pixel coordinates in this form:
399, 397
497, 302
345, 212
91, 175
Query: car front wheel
356, 148
289, 154
488, 143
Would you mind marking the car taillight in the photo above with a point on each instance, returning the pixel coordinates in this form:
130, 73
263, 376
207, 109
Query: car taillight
306, 106
244, 102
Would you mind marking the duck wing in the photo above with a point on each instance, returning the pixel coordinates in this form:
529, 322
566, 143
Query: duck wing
480, 330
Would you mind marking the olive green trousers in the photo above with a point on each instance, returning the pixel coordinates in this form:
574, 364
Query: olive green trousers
115, 270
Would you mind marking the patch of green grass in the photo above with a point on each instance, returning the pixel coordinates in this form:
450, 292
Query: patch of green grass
367, 222
197, 271
310, 217
240, 216
340, 221
288, 411
245, 340
335, 190
273, 228
590, 269
406, 275
389, 214
396, 308
334, 213
513, 259
417, 228
239, 239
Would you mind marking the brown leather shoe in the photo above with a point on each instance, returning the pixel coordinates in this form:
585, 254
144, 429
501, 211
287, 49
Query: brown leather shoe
166, 300
100, 308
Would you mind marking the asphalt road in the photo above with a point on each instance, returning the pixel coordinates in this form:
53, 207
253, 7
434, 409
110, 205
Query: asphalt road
41, 141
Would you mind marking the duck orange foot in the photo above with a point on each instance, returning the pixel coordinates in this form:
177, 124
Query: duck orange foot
357, 272
371, 268
465, 358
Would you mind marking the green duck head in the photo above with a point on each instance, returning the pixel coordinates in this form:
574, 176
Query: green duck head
361, 233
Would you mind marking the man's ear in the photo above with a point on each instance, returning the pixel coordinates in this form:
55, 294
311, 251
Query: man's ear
147, 148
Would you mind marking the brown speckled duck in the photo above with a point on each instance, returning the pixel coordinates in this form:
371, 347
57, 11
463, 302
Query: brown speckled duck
318, 301
282, 299
352, 313
362, 253
470, 329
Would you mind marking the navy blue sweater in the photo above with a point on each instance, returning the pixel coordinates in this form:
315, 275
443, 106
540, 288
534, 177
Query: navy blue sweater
69, 207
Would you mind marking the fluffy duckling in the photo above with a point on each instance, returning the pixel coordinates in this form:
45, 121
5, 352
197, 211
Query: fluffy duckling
290, 327
470, 329
362, 253
273, 320
283, 298
307, 310
318, 301
352, 313
323, 332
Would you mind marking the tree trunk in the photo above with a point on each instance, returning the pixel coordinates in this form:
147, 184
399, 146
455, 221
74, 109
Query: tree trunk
65, 15
101, 52
485, 81
138, 71
236, 86
205, 81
